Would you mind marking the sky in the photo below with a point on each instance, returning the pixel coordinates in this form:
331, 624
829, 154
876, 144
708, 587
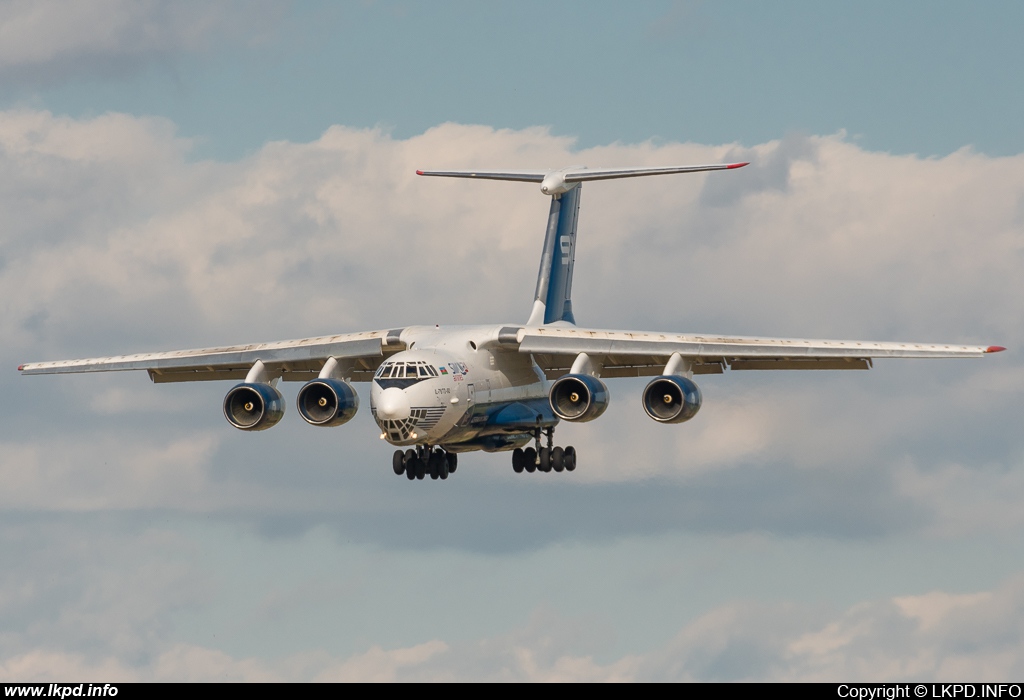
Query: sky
188, 174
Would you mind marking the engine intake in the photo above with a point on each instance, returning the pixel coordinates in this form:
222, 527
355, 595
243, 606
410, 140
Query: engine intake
671, 399
253, 406
327, 402
578, 397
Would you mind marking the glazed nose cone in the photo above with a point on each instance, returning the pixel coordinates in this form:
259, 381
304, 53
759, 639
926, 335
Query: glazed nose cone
393, 404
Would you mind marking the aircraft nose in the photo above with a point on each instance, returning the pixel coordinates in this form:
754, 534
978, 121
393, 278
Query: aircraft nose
393, 404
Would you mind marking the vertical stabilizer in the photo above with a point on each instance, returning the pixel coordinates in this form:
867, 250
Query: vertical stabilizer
553, 299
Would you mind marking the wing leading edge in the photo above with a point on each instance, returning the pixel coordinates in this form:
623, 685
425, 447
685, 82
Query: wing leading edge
640, 354
359, 355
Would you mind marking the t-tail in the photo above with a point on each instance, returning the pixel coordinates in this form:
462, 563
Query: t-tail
552, 301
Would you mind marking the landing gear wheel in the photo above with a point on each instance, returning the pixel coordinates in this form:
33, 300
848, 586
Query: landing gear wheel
558, 459
570, 458
434, 464
453, 461
439, 464
421, 468
545, 459
530, 460
517, 460
398, 462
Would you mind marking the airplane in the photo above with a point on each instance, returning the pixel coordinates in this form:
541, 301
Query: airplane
438, 391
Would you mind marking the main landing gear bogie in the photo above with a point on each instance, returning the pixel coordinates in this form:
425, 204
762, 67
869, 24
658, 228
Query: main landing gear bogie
424, 460
544, 459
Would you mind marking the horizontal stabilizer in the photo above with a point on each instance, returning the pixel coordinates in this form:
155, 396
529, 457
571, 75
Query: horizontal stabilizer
516, 175
554, 182
588, 174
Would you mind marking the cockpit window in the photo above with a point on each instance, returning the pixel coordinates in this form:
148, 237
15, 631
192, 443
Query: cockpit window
404, 374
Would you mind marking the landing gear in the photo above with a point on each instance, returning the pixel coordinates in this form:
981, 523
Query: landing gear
570, 458
418, 462
558, 459
437, 465
530, 459
518, 460
544, 458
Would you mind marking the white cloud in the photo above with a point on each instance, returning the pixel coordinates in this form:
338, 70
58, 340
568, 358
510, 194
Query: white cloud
937, 636
105, 474
115, 243
54, 38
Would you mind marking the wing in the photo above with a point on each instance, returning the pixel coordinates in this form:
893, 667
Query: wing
358, 354
641, 354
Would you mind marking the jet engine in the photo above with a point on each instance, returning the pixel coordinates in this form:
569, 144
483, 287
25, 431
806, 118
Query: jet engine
327, 402
578, 397
253, 406
671, 399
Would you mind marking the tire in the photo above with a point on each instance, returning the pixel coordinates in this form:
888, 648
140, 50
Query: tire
442, 464
410, 474
398, 462
434, 464
545, 459
530, 460
570, 458
558, 459
517, 460
453, 461
421, 468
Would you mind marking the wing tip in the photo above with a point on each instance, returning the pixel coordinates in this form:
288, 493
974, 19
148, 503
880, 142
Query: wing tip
21, 368
733, 166
994, 348
419, 172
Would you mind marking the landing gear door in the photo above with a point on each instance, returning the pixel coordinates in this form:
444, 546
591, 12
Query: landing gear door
470, 395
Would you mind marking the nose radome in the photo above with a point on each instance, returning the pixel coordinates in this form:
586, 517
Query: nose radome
393, 404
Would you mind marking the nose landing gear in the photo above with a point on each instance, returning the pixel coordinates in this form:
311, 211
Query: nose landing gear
423, 460
546, 458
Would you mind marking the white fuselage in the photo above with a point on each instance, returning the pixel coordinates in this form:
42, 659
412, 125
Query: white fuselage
458, 388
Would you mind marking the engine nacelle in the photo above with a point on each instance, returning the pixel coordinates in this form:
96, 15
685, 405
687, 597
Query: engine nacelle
253, 406
327, 402
578, 397
671, 399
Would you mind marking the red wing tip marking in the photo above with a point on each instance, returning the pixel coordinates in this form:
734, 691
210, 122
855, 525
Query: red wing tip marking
994, 348
21, 367
735, 165
419, 172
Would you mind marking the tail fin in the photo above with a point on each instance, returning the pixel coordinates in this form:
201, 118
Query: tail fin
553, 299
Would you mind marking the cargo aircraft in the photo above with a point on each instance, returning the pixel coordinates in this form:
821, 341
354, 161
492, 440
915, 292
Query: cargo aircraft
438, 391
